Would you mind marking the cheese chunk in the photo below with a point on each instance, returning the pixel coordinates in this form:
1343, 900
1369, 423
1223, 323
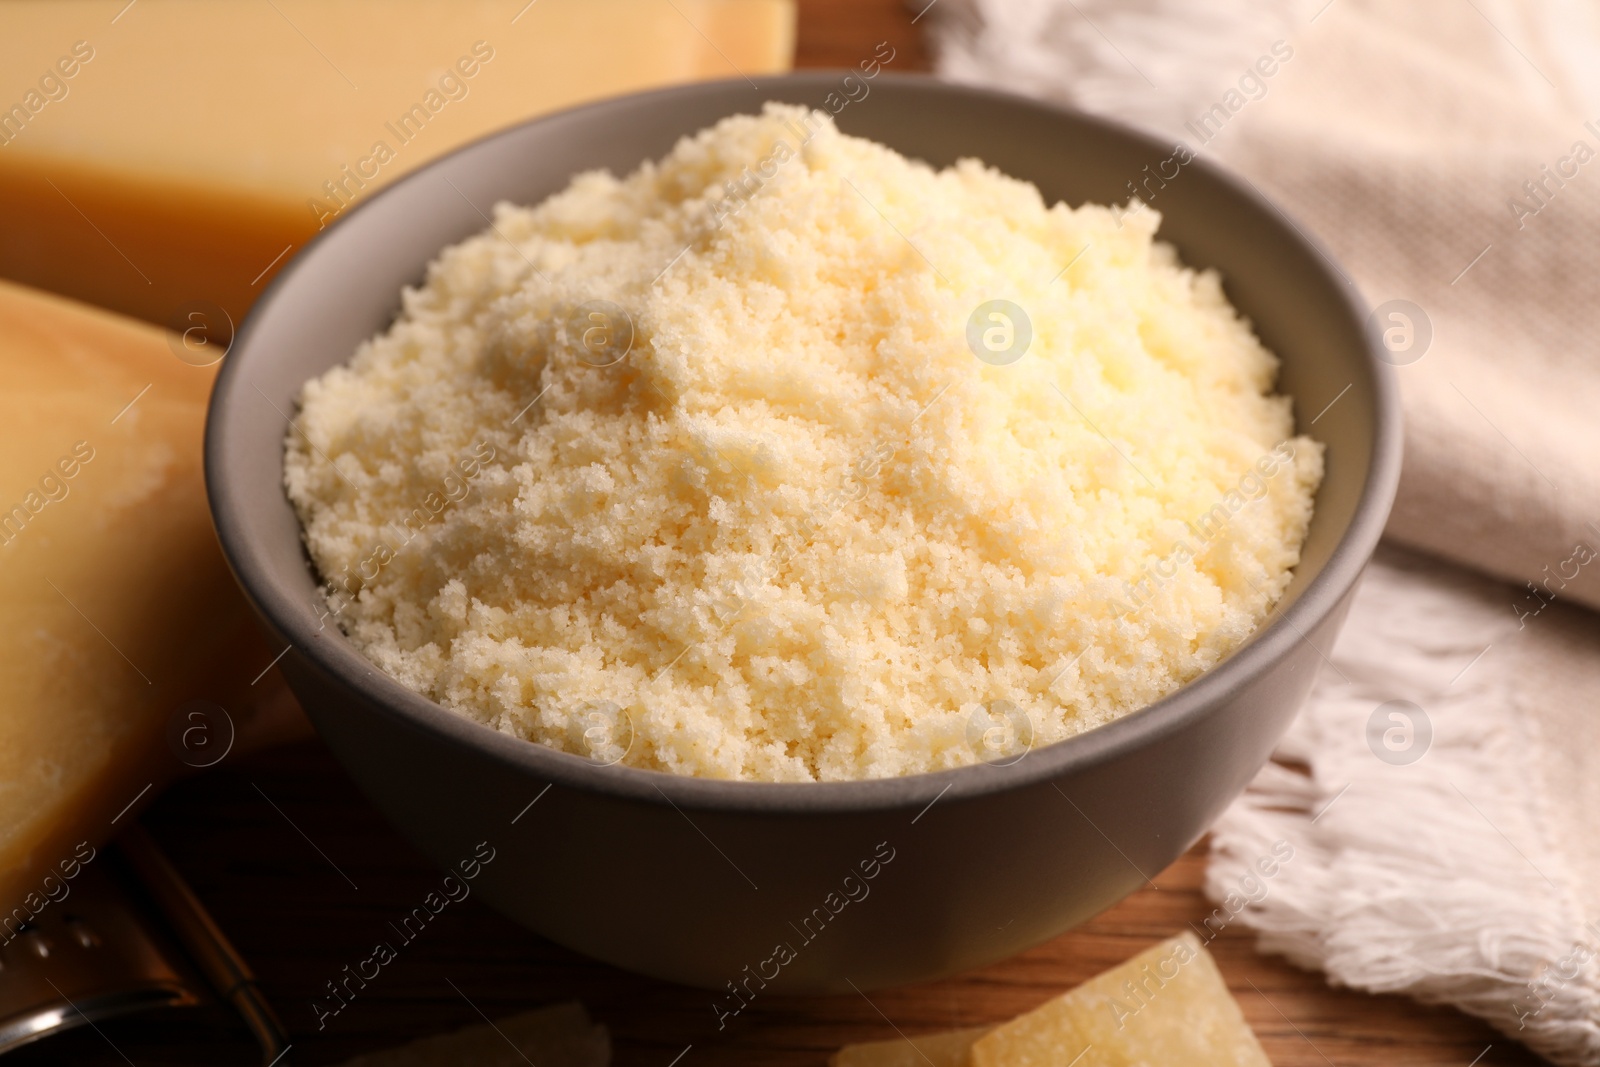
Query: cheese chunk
115, 602
163, 152
1167, 1006
951, 1048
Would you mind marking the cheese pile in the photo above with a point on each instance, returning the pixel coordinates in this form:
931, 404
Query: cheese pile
787, 458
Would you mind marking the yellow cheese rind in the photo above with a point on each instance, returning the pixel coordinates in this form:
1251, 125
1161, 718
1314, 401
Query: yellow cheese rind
949, 1048
1168, 1005
194, 141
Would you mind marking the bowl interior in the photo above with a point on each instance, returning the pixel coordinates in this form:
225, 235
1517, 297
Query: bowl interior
346, 286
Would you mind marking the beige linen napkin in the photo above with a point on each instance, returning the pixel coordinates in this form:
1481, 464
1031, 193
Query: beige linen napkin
1439, 790
1400, 135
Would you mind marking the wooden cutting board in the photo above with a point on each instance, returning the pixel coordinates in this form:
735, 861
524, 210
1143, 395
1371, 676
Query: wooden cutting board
268, 874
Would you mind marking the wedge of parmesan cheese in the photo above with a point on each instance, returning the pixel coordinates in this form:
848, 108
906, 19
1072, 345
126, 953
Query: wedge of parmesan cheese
1166, 1007
174, 151
952, 1048
117, 606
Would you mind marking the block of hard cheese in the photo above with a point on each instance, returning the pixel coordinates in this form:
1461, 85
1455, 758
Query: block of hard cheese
949, 1048
115, 603
1167, 1006
559, 1035
159, 153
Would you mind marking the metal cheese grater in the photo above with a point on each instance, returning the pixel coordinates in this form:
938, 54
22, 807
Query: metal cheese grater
131, 937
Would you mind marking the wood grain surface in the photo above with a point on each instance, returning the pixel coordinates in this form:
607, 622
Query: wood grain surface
302, 888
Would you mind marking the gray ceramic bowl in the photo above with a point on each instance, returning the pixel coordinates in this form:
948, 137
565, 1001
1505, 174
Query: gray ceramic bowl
764, 886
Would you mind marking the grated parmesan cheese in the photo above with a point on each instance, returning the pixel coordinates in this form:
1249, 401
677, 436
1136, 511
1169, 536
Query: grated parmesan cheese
728, 467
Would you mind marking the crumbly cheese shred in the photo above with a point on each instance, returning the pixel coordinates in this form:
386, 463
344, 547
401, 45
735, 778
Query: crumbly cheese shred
735, 467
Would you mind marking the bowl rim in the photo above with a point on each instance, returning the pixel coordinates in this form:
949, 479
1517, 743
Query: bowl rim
1271, 641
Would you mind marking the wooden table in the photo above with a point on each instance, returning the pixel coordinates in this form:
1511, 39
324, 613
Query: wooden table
298, 921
